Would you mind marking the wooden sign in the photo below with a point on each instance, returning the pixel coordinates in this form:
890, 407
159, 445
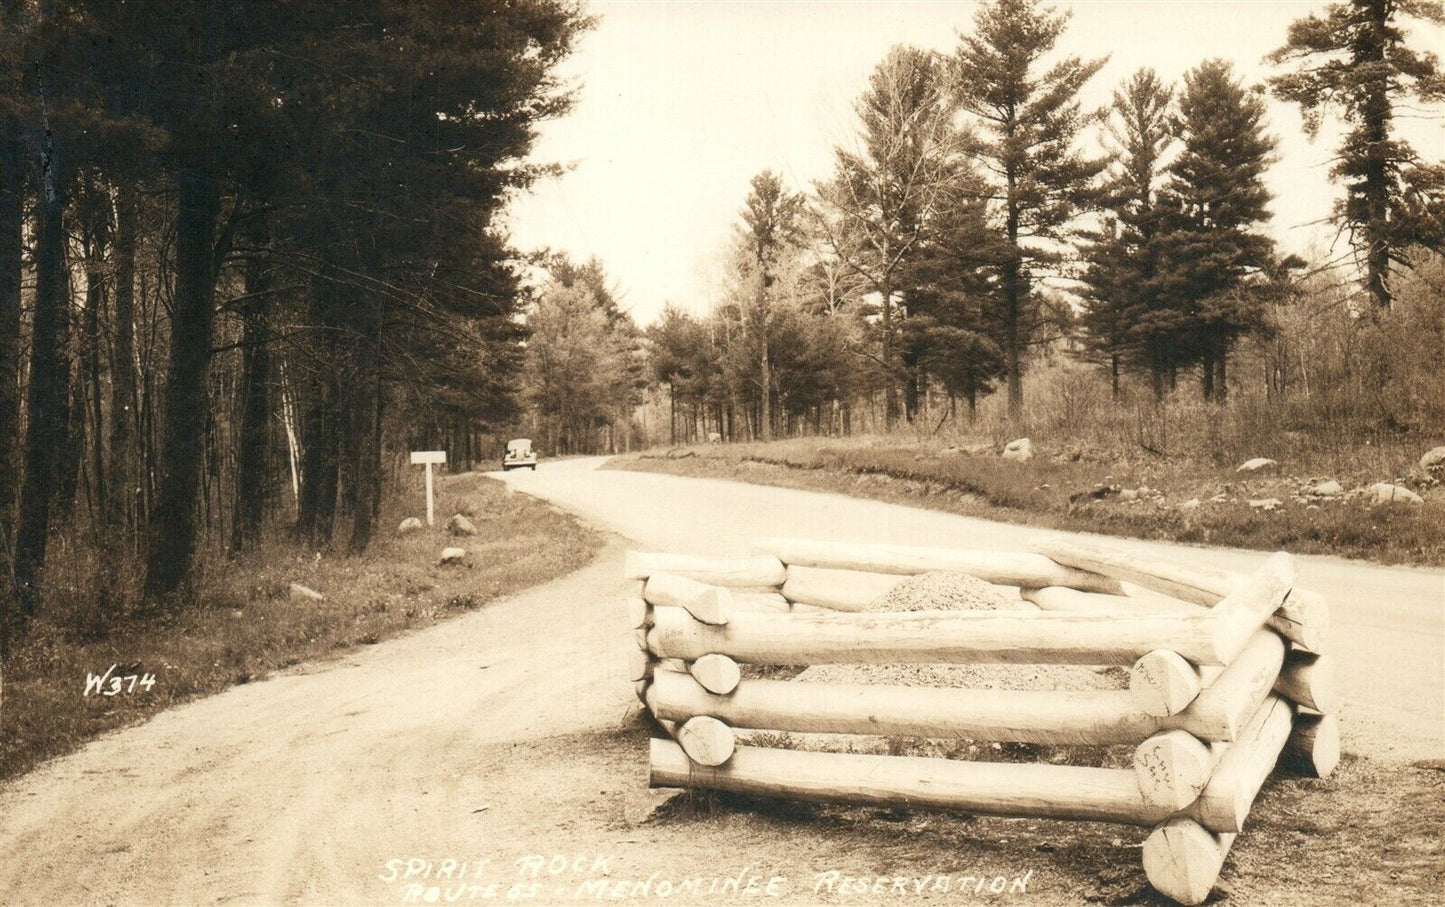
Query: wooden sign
428, 457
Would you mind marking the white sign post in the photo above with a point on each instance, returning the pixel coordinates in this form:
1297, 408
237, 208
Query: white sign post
428, 457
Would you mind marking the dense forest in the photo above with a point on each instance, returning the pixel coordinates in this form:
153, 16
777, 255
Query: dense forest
982, 221
249, 255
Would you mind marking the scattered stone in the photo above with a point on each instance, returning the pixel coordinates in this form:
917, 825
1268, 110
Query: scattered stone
1021, 450
1434, 460
1129, 494
412, 524
1327, 489
1257, 464
453, 556
300, 593
460, 525
1191, 504
1386, 493
1266, 503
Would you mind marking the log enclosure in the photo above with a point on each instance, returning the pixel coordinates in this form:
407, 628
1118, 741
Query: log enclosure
1228, 677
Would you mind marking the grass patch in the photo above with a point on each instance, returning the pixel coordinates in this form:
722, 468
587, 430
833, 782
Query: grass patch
1057, 490
241, 623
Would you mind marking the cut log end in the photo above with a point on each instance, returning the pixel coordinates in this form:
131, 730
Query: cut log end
639, 665
1173, 768
1313, 747
639, 613
1163, 683
1308, 680
717, 673
706, 740
1183, 859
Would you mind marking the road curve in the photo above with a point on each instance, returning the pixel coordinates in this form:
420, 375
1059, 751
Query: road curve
1388, 623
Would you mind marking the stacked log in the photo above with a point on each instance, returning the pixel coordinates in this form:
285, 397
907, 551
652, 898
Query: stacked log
1227, 677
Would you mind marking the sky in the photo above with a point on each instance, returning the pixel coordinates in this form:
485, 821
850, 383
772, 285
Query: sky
681, 103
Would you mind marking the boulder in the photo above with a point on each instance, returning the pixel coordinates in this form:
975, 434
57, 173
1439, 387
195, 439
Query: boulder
1434, 460
460, 525
1386, 493
1257, 464
1329, 488
1129, 494
1266, 503
453, 556
300, 593
1191, 504
412, 524
1021, 450
714, 438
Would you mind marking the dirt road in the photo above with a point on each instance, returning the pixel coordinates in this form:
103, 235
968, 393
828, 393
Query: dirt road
499, 757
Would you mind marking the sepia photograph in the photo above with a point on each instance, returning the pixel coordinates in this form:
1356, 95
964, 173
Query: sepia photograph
722, 452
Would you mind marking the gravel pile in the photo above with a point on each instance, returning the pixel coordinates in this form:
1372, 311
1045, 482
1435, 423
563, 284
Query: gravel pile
960, 592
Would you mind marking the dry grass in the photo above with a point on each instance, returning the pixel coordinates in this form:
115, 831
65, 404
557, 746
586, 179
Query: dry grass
241, 623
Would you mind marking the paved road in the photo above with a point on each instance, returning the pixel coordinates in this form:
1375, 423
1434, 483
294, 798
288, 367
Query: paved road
1388, 623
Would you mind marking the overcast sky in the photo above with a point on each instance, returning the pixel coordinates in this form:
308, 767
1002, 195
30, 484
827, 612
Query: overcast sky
682, 102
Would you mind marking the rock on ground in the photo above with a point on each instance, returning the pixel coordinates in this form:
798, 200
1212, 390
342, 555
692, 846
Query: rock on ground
1386, 493
1434, 460
453, 556
1256, 464
1266, 503
1327, 489
460, 525
300, 593
1021, 450
411, 524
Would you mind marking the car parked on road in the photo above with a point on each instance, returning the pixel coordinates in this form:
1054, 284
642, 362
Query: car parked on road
519, 455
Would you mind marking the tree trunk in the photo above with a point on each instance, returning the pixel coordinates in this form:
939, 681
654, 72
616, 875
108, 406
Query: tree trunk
45, 401
70, 415
125, 493
1014, 292
174, 531
890, 377
765, 420
365, 425
1376, 127
12, 224
95, 293
253, 441
1221, 360
1114, 376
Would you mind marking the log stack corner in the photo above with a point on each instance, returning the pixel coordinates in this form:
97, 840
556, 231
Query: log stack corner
1229, 676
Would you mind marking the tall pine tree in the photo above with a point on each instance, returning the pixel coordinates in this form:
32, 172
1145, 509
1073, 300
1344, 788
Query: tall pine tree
1354, 57
1215, 203
1030, 119
1128, 323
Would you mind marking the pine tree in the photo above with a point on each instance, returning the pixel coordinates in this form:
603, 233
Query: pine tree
1355, 57
1215, 202
1030, 119
881, 203
771, 231
1127, 323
